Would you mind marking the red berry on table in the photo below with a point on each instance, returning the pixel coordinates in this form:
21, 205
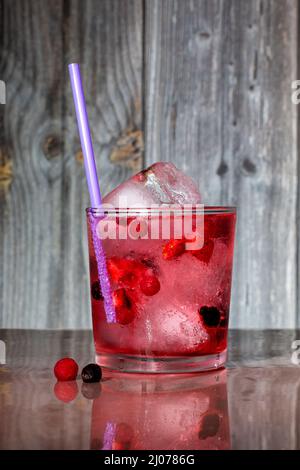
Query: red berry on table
173, 248
66, 391
66, 369
150, 285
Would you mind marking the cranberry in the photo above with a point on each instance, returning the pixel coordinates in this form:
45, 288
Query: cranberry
66, 391
173, 248
66, 369
211, 316
125, 271
150, 285
91, 373
96, 291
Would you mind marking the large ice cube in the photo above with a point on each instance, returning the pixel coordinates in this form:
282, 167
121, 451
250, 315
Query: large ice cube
161, 183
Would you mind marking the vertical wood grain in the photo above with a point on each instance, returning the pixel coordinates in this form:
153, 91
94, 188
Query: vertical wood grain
44, 280
218, 104
215, 77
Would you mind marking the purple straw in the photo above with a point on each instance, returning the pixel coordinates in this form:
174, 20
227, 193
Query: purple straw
93, 185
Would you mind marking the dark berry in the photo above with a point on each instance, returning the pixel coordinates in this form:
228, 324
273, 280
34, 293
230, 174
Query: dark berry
209, 426
66, 391
96, 291
211, 316
66, 369
150, 285
91, 390
173, 249
91, 373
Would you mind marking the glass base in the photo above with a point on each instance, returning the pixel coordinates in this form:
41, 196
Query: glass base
162, 365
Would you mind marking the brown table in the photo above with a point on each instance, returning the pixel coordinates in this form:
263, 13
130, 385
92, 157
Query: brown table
254, 404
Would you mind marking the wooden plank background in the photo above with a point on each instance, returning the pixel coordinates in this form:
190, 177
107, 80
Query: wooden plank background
203, 83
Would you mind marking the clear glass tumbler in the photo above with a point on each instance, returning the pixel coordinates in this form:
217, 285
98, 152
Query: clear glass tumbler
170, 291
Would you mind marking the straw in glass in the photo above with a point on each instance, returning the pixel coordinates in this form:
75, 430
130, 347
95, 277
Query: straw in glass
93, 186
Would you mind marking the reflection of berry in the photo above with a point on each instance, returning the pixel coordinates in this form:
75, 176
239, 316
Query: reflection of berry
123, 437
210, 424
211, 316
96, 291
150, 285
66, 369
125, 311
91, 373
66, 391
90, 391
173, 248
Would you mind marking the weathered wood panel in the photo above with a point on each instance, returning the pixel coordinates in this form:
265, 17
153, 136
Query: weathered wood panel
215, 77
218, 104
43, 256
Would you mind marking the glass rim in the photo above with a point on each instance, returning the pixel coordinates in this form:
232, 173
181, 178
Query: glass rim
173, 209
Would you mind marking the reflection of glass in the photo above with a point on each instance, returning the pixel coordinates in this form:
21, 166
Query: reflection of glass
173, 412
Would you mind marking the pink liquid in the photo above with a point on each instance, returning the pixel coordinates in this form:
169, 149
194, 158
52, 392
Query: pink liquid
173, 412
183, 309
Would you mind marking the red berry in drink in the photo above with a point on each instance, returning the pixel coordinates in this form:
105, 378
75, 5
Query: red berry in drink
205, 253
150, 285
125, 272
125, 311
66, 391
66, 369
173, 248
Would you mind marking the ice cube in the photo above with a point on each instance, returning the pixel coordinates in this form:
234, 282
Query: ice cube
161, 183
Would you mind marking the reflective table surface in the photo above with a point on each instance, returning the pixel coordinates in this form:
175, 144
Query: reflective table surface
252, 404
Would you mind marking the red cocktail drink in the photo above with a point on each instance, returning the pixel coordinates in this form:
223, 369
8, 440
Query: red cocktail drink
171, 295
